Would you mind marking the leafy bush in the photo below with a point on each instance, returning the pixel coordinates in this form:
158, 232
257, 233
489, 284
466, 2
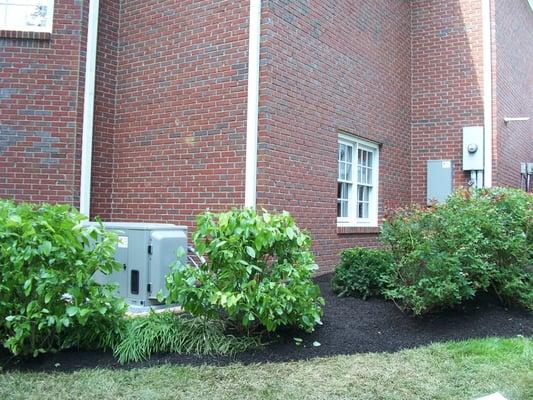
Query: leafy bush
258, 272
48, 299
448, 253
167, 332
362, 272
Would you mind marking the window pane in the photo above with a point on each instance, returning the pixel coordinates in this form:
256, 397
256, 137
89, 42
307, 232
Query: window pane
349, 154
370, 159
342, 209
362, 210
343, 191
363, 201
365, 177
342, 152
348, 172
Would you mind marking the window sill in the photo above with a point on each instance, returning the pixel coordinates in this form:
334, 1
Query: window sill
5, 34
347, 230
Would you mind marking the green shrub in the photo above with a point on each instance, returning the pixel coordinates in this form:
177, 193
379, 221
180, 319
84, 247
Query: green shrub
258, 272
48, 299
167, 332
362, 272
448, 253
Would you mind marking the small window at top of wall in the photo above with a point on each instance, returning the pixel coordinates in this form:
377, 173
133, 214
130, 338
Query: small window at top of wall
26, 15
357, 182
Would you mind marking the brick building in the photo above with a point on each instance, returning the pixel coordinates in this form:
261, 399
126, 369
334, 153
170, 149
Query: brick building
142, 110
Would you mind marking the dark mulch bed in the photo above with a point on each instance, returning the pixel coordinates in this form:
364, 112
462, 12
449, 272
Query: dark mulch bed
350, 326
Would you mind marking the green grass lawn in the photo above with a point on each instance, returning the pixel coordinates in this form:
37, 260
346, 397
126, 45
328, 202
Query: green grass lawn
462, 370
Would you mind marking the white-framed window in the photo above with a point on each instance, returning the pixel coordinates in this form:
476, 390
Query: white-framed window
26, 15
357, 182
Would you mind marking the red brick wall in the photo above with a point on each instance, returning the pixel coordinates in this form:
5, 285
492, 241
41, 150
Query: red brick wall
179, 144
39, 105
514, 88
327, 66
447, 83
105, 109
170, 109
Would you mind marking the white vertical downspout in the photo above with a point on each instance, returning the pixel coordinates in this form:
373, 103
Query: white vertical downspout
88, 109
252, 119
487, 91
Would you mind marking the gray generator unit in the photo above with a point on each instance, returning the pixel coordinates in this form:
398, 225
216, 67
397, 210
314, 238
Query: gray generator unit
145, 251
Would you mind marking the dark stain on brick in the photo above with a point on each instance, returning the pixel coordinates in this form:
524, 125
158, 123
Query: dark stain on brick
5, 93
316, 28
44, 146
33, 112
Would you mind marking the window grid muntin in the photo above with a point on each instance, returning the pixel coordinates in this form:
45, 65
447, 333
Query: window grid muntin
364, 166
345, 162
344, 179
364, 182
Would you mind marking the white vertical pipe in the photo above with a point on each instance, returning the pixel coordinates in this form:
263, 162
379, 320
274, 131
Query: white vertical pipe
252, 119
88, 109
480, 181
473, 178
487, 91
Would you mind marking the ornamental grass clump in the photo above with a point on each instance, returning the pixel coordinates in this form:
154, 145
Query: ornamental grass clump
167, 332
257, 274
480, 240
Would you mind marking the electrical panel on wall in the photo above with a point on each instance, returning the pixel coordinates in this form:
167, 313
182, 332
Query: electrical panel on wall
439, 180
473, 159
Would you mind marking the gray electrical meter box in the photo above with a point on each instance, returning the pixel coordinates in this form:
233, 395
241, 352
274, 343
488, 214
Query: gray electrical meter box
145, 251
473, 151
439, 180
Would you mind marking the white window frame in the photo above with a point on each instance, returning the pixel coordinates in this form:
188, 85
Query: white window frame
352, 220
10, 25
